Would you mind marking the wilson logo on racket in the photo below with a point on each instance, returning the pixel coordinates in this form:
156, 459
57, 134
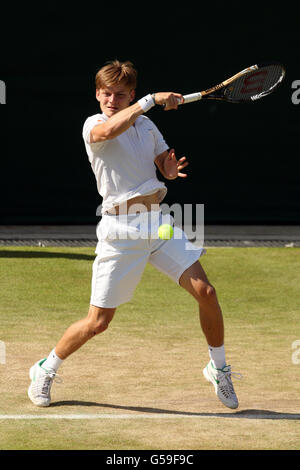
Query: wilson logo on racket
254, 83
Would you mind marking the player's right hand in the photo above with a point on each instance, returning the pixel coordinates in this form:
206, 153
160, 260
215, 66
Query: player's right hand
168, 99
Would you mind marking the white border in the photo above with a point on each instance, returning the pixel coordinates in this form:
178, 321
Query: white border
239, 415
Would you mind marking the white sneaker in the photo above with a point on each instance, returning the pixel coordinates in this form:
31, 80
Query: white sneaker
221, 380
41, 381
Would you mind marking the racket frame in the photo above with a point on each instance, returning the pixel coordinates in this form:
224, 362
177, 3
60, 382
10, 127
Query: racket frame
209, 93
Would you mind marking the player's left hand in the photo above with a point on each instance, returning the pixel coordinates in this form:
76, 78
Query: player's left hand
173, 167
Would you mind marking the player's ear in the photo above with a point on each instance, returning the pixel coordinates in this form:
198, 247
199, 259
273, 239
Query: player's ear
98, 95
132, 95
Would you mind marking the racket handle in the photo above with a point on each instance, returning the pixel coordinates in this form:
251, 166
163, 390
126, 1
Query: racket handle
192, 97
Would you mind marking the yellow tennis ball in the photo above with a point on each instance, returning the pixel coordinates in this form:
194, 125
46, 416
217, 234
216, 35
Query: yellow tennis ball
165, 232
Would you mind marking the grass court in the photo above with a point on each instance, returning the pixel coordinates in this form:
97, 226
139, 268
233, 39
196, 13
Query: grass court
139, 385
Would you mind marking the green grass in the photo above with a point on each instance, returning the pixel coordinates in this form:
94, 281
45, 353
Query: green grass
152, 355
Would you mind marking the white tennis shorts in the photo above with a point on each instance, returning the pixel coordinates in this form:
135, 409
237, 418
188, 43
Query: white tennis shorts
125, 244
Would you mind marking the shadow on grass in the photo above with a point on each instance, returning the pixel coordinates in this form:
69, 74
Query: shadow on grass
44, 254
246, 414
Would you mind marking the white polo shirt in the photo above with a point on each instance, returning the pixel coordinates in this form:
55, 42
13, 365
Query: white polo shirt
124, 166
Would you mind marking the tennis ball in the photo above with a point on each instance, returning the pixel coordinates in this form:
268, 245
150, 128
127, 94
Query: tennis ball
165, 232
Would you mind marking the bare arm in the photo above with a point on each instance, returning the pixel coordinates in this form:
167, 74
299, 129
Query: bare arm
121, 121
116, 124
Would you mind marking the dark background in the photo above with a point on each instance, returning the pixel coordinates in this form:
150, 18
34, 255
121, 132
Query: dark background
243, 158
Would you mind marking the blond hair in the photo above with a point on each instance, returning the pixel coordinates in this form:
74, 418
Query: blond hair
116, 73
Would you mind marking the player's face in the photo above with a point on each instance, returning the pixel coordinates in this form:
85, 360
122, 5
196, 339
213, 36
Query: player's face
115, 98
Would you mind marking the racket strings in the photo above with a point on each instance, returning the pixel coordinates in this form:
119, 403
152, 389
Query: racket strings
256, 84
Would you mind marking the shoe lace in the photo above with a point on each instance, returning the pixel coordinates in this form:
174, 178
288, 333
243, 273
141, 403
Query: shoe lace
47, 379
224, 378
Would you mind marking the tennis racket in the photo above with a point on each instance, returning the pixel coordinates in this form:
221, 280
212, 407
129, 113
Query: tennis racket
251, 84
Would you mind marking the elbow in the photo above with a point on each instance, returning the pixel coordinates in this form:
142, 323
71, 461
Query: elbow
108, 133
101, 136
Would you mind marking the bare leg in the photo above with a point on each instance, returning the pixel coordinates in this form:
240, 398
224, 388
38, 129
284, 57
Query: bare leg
76, 335
195, 281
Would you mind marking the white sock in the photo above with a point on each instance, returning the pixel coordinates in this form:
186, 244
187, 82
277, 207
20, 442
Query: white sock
217, 356
52, 361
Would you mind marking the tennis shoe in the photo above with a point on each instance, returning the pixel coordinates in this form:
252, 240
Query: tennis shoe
221, 380
41, 381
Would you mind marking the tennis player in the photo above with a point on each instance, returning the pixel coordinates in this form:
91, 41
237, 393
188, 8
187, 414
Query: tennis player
125, 148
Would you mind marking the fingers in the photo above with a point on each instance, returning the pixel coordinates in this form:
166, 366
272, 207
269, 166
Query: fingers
179, 98
180, 165
177, 165
172, 155
182, 175
173, 100
169, 100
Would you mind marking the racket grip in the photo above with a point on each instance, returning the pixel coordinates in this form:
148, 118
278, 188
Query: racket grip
192, 97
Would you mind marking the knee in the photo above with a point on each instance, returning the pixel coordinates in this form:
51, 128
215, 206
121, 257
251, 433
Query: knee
96, 327
206, 292
99, 323
101, 326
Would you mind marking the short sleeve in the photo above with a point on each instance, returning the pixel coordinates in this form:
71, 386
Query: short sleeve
89, 124
160, 143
